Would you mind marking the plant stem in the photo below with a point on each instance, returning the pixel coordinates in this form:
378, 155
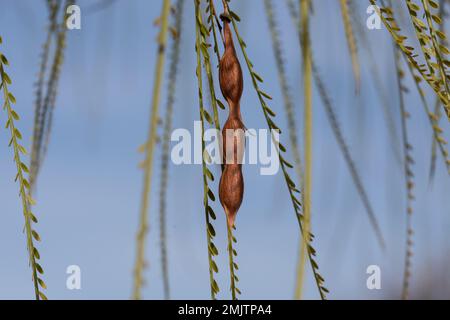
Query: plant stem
150, 146
200, 44
165, 159
231, 262
33, 253
268, 114
408, 175
308, 132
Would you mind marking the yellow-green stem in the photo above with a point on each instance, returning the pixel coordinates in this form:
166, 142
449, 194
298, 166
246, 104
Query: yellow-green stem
207, 193
149, 150
33, 254
308, 140
269, 115
231, 261
351, 41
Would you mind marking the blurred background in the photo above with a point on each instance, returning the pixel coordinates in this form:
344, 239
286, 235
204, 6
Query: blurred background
89, 187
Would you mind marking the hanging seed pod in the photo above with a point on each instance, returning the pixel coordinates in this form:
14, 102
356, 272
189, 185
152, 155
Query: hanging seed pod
231, 186
230, 72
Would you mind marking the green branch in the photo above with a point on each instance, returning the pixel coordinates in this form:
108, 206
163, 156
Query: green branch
208, 195
293, 191
172, 79
149, 150
24, 185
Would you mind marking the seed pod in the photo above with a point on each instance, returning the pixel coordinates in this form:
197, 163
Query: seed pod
230, 72
231, 186
231, 191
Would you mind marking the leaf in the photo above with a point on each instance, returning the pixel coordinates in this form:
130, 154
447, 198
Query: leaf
26, 183
211, 195
24, 167
207, 116
36, 253
221, 106
258, 77
209, 174
17, 134
215, 286
42, 296
33, 218
214, 266
269, 111
213, 249
36, 235
11, 97
22, 149
39, 268
6, 78
211, 230
211, 213
235, 16
42, 283
4, 60
15, 115
265, 94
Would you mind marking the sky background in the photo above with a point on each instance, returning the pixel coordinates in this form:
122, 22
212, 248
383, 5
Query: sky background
89, 188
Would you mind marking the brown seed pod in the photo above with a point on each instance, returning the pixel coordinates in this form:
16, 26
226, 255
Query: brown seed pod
231, 191
231, 186
230, 72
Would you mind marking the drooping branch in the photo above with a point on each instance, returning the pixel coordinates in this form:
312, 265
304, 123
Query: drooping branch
149, 151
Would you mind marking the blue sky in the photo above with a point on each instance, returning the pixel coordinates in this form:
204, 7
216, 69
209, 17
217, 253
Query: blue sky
90, 185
